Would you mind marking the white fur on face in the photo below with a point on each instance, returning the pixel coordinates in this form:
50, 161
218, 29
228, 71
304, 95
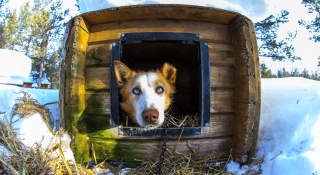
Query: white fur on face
148, 99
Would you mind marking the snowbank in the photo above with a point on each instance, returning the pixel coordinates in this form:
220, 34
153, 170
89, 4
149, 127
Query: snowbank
14, 68
256, 10
9, 93
289, 135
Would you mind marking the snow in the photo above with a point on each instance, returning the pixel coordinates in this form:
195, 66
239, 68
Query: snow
32, 130
11, 61
30, 135
289, 134
257, 10
9, 93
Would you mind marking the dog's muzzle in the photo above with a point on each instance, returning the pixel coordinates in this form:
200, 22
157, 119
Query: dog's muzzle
150, 115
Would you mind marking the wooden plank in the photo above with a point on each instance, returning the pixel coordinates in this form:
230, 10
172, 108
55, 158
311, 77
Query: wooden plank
73, 103
99, 55
75, 64
247, 89
221, 58
78, 36
220, 47
98, 103
160, 11
222, 100
209, 32
221, 77
97, 78
247, 66
117, 149
221, 54
95, 123
245, 130
221, 125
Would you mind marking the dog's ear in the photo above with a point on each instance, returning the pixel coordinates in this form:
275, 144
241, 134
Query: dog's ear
122, 72
169, 72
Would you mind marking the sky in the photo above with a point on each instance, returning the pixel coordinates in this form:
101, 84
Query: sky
256, 10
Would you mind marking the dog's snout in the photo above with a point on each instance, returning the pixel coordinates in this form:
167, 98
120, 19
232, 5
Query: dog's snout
150, 115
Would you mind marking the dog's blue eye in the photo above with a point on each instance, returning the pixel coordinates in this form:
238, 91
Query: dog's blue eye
136, 91
159, 90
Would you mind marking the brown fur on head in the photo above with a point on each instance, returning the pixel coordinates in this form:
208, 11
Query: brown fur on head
148, 98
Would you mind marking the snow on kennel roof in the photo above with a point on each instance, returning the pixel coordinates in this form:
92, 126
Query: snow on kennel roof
14, 68
256, 10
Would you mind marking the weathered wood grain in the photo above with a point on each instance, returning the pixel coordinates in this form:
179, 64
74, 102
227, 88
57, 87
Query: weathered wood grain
221, 77
110, 32
247, 89
151, 148
78, 35
75, 64
98, 102
219, 54
98, 78
177, 12
221, 125
98, 55
72, 97
222, 100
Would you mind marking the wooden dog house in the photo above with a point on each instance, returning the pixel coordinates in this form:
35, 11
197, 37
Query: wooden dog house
215, 52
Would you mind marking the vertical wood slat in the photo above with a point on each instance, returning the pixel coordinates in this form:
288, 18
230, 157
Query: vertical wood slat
73, 81
247, 89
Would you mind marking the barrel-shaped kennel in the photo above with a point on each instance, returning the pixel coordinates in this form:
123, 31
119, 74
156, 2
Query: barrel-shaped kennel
218, 81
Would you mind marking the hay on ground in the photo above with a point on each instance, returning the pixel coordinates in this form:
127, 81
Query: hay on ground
16, 158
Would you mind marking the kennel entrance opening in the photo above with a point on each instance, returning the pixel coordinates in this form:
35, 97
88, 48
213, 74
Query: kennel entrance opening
148, 51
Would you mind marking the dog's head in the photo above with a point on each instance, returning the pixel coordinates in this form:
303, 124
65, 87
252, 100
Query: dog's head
145, 95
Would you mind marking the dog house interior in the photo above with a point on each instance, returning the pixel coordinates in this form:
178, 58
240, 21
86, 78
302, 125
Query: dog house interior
218, 81
148, 51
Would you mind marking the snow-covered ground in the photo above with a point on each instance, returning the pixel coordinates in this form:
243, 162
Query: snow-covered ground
289, 136
9, 94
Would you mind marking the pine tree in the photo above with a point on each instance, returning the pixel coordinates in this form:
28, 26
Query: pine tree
305, 73
295, 72
314, 25
78, 6
3, 12
9, 31
265, 71
3, 8
266, 32
37, 31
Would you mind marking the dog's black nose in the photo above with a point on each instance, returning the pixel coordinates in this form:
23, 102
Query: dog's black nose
150, 115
